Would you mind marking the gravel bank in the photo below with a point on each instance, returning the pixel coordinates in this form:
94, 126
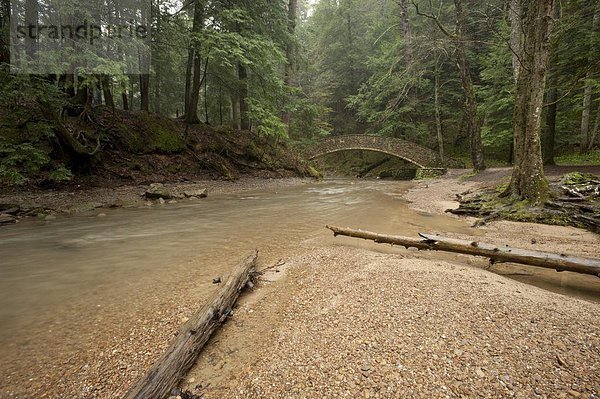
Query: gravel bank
350, 323
360, 324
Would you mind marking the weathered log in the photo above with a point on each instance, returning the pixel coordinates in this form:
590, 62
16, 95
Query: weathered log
181, 354
496, 254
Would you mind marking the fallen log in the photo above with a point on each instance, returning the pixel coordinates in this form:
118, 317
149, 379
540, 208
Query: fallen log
496, 254
181, 354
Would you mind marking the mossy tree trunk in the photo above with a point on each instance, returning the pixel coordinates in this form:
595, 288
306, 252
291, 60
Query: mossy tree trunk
528, 181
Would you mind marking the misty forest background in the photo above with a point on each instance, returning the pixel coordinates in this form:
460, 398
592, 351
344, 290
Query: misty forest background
427, 71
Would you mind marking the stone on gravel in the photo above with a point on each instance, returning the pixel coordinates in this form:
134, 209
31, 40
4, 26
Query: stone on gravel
201, 193
157, 191
50, 217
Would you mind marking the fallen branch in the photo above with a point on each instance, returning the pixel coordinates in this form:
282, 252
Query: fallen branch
181, 354
496, 254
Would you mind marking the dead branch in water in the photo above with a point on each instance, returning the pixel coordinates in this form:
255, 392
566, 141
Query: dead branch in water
181, 354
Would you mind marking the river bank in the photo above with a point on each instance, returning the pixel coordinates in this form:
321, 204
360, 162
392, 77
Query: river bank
41, 203
336, 317
354, 320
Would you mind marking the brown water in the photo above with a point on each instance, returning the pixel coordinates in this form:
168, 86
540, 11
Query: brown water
78, 279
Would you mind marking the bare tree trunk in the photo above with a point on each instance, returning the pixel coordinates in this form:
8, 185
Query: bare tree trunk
549, 136
288, 77
588, 91
145, 74
515, 37
243, 90
194, 96
188, 81
125, 100
406, 33
550, 132
235, 111
206, 91
438, 116
528, 181
594, 133
145, 92
471, 115
106, 91
4, 33
31, 19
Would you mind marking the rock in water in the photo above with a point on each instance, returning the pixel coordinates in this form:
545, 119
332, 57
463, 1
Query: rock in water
202, 193
7, 219
158, 190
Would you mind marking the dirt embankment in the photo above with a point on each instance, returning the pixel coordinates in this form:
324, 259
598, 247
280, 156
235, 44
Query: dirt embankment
134, 150
346, 322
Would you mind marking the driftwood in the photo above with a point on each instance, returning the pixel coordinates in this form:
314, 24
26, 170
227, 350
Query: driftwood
496, 254
181, 354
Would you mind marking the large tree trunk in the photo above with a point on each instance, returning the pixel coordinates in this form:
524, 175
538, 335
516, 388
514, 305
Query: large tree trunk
528, 181
470, 108
243, 90
288, 77
586, 136
194, 96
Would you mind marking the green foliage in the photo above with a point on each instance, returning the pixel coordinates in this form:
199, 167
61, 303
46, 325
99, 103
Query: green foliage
592, 158
20, 161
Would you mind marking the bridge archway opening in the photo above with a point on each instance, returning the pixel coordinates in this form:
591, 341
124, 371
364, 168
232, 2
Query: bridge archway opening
365, 163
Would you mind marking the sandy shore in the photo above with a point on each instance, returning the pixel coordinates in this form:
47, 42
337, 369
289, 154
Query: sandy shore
351, 323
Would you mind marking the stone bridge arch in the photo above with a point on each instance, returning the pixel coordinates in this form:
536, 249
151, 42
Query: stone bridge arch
421, 157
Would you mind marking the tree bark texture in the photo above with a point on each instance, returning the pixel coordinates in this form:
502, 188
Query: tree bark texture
515, 38
528, 181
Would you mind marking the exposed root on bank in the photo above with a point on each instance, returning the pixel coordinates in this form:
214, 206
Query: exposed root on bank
575, 201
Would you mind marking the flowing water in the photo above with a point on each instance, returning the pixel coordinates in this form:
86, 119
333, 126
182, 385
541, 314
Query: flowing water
75, 278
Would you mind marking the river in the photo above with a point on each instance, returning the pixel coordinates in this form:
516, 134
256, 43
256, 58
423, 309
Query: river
69, 283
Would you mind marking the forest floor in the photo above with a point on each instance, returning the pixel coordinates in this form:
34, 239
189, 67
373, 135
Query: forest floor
346, 322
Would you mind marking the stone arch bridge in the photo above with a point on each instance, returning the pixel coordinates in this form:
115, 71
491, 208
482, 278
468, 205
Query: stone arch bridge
421, 157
